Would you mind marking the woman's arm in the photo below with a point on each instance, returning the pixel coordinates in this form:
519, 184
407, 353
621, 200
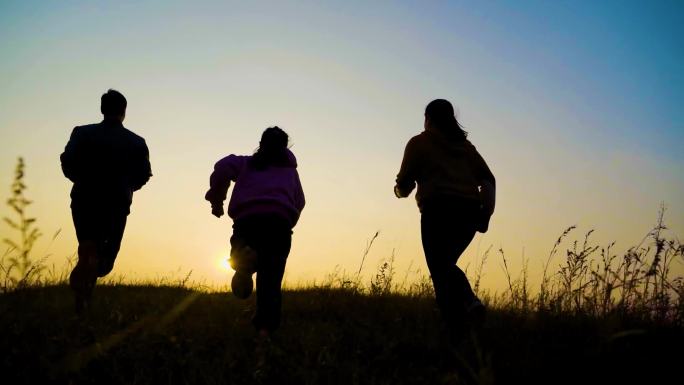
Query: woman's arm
406, 179
487, 183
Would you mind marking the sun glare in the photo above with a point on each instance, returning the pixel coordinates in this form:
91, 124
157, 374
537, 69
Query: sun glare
223, 263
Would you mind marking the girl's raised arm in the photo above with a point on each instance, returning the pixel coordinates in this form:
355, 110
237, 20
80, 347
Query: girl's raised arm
225, 171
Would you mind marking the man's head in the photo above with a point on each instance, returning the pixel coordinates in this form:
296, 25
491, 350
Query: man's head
113, 105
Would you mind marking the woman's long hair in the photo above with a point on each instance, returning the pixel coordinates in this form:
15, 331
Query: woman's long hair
441, 117
272, 149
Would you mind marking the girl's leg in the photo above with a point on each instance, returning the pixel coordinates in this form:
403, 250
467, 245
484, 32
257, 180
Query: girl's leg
269, 296
244, 256
274, 247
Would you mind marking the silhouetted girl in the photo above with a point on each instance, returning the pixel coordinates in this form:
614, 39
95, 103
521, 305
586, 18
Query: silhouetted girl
265, 205
456, 198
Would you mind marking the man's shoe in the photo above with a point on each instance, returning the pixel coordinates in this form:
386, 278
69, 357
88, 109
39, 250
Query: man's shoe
83, 277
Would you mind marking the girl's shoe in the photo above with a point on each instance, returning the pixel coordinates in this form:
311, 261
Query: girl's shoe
243, 260
242, 256
242, 284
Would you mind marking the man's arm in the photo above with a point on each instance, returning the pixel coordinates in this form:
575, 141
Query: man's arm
71, 157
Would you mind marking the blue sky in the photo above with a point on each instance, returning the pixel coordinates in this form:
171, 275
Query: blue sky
575, 105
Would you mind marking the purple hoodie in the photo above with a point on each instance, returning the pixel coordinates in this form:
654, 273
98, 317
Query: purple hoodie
273, 190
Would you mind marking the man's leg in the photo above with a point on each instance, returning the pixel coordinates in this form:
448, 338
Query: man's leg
114, 225
83, 276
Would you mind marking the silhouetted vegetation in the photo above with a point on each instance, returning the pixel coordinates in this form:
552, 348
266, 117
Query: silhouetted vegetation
17, 264
175, 335
590, 280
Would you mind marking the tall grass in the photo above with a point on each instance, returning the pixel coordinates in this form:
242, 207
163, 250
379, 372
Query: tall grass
589, 279
17, 267
594, 280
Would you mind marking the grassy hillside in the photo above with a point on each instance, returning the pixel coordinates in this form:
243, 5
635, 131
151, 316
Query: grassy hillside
599, 317
172, 335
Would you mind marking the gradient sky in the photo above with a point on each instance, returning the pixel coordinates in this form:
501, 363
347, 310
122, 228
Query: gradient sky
576, 106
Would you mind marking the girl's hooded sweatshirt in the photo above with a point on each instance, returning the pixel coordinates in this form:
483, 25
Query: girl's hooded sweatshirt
271, 190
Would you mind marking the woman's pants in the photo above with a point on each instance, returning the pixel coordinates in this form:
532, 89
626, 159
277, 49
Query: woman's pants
447, 228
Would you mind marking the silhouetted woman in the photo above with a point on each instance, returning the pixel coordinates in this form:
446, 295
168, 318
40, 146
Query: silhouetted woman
456, 198
265, 205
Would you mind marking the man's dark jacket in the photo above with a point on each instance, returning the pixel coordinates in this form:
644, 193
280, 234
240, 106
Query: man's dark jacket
107, 163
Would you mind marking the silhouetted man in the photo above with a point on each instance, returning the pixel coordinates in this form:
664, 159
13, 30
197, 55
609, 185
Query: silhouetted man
107, 163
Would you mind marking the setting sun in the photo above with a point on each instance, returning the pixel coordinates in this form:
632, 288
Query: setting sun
224, 264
